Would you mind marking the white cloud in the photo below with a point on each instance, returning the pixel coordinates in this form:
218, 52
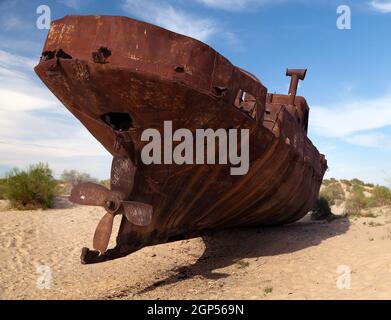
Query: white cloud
34, 126
165, 15
74, 4
371, 140
236, 5
12, 60
351, 117
381, 6
12, 22
15, 100
63, 154
18, 91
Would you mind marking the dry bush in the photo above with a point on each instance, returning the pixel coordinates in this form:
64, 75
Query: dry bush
357, 201
71, 178
332, 193
381, 196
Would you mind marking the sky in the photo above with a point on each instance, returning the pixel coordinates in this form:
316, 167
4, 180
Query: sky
348, 84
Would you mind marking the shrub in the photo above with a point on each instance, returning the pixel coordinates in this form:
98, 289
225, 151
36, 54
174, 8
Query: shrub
358, 189
327, 182
332, 193
72, 178
2, 189
243, 264
381, 196
357, 182
346, 182
357, 201
268, 290
31, 189
321, 210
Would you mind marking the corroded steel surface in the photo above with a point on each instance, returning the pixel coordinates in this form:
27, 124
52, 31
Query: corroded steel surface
119, 77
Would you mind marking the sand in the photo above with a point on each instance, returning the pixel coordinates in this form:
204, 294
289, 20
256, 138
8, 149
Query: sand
298, 261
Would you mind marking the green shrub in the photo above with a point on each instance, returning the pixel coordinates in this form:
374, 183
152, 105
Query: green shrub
357, 201
321, 210
243, 264
31, 189
381, 196
327, 182
370, 185
357, 188
346, 182
2, 189
332, 193
357, 182
268, 290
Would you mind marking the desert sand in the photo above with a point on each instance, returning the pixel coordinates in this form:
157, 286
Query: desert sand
297, 261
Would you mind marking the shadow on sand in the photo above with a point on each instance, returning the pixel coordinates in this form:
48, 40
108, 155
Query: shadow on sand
225, 248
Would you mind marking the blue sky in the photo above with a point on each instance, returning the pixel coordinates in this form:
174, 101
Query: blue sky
348, 85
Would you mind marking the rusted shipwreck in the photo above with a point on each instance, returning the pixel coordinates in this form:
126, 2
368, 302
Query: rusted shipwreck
119, 76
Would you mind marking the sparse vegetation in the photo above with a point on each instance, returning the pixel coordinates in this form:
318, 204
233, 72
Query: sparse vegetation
243, 264
356, 196
378, 196
31, 189
346, 182
357, 201
71, 178
321, 210
333, 192
374, 224
357, 182
268, 290
327, 182
2, 189
381, 196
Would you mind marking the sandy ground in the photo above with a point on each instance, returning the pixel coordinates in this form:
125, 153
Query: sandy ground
298, 261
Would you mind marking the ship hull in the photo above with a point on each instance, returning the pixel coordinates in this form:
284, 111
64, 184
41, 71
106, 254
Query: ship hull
154, 76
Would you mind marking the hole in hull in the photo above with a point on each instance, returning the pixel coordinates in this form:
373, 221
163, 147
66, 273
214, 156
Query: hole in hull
180, 69
118, 121
48, 55
63, 55
101, 55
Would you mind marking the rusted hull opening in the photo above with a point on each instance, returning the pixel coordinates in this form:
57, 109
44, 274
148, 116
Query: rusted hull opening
134, 76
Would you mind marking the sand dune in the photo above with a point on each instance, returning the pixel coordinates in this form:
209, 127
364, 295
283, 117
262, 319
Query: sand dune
298, 261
